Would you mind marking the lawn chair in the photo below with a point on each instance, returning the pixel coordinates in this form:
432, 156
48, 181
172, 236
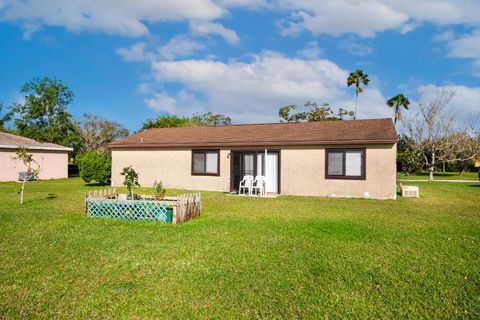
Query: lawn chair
259, 185
246, 184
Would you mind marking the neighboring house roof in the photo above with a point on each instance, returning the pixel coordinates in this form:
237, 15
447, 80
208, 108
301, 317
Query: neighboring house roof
375, 131
12, 141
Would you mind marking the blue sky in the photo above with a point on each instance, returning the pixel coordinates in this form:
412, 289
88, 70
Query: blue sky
243, 58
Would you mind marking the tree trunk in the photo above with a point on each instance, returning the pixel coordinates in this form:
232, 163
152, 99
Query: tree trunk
356, 101
432, 165
23, 189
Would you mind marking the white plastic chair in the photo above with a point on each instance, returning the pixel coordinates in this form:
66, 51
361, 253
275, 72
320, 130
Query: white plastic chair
259, 185
246, 184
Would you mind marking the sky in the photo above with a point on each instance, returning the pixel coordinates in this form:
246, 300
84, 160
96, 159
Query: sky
130, 61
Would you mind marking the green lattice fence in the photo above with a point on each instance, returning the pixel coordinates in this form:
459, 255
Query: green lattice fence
130, 210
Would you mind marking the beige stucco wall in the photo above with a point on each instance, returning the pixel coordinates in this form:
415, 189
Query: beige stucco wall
53, 164
172, 166
302, 171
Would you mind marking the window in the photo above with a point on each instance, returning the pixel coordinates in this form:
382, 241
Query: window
345, 164
205, 162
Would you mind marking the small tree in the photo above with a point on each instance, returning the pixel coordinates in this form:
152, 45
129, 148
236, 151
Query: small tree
95, 166
131, 179
436, 134
23, 155
97, 133
159, 190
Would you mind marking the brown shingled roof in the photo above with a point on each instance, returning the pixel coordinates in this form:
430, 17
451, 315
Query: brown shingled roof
375, 131
12, 141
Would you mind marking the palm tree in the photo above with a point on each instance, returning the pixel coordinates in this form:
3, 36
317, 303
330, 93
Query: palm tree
397, 102
357, 78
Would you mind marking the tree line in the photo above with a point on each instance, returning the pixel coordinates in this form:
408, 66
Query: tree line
430, 137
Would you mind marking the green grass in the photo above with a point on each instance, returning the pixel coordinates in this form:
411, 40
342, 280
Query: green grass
440, 176
289, 257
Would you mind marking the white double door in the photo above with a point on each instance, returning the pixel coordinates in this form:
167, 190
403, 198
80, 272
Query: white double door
268, 168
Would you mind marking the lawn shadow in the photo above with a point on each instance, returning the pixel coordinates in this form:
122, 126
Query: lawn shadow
96, 184
474, 185
51, 196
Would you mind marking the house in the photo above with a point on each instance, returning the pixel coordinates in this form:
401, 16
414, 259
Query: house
51, 158
353, 158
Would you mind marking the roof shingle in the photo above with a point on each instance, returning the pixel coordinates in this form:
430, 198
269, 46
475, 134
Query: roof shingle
12, 141
374, 131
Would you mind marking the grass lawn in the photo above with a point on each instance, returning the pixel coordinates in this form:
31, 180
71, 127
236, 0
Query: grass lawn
289, 257
440, 176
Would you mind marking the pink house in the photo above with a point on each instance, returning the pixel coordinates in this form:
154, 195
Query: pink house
52, 158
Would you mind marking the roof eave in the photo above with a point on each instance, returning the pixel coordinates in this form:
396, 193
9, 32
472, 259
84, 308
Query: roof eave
12, 146
250, 144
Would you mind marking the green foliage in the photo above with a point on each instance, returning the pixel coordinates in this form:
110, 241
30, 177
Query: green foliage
173, 121
244, 258
159, 190
210, 119
357, 78
26, 157
43, 115
95, 166
397, 102
168, 121
312, 112
410, 159
4, 118
131, 179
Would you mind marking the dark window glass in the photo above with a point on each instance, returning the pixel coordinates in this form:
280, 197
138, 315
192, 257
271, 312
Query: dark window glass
205, 162
345, 164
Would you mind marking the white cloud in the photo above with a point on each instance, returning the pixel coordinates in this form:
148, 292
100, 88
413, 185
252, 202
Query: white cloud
335, 17
135, 53
355, 47
113, 17
253, 91
311, 51
161, 101
179, 46
444, 36
465, 46
203, 28
465, 101
183, 102
366, 18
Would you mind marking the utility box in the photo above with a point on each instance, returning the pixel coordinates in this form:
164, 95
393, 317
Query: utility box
410, 191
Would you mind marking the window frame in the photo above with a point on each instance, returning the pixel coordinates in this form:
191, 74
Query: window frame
344, 152
204, 152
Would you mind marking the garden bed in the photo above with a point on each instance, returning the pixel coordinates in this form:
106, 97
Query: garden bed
107, 203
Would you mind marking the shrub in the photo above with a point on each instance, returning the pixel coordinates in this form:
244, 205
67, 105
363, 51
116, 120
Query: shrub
131, 179
159, 190
95, 166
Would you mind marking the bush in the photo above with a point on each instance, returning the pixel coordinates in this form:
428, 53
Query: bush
95, 166
159, 190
